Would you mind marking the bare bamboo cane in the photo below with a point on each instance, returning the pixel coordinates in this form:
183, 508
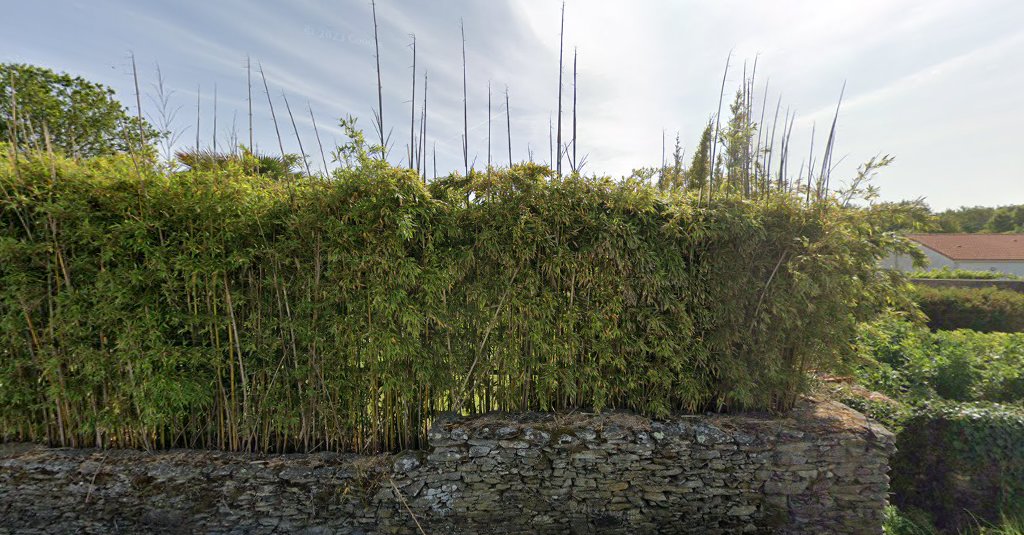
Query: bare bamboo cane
575, 162
827, 158
302, 152
317, 132
771, 146
248, 88
273, 116
412, 107
465, 105
138, 103
199, 92
750, 152
214, 118
380, 87
488, 127
810, 163
718, 116
508, 125
760, 129
561, 41
423, 128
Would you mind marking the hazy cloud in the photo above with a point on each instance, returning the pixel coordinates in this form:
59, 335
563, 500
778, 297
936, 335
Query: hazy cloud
936, 84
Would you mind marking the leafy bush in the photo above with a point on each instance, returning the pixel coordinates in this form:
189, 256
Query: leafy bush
912, 522
908, 362
214, 308
916, 522
886, 411
979, 309
963, 464
946, 273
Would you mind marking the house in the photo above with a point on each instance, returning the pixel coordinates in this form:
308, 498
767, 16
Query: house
1002, 253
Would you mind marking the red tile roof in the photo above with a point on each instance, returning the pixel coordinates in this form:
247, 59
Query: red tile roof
974, 246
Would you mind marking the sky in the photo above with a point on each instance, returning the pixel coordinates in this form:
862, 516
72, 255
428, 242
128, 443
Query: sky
937, 84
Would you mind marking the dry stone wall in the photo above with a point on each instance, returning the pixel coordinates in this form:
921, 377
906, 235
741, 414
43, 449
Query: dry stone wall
819, 469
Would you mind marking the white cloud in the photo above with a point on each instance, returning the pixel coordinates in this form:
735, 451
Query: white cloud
926, 81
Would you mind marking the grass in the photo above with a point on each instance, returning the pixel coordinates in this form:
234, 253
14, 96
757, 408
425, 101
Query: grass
897, 522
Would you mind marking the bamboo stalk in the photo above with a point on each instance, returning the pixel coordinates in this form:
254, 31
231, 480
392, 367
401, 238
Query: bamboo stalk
810, 164
317, 132
465, 105
561, 41
749, 155
412, 107
760, 129
138, 102
508, 123
827, 158
302, 151
718, 116
575, 162
273, 116
248, 88
785, 166
199, 93
423, 130
380, 87
488, 127
13, 155
215, 118
771, 149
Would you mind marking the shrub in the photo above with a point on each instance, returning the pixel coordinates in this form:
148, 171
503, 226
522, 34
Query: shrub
979, 309
946, 273
908, 362
214, 308
896, 522
963, 464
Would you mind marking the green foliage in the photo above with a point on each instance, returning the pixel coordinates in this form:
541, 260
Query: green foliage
916, 522
946, 273
737, 140
982, 219
963, 464
217, 308
905, 216
886, 411
276, 167
673, 176
908, 362
82, 118
697, 173
980, 309
912, 522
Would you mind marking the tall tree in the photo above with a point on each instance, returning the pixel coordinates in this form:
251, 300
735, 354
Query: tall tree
82, 118
673, 176
737, 139
697, 174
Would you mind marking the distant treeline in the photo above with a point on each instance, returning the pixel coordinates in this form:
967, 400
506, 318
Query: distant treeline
981, 219
916, 216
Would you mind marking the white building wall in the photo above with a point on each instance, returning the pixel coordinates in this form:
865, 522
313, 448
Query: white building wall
938, 261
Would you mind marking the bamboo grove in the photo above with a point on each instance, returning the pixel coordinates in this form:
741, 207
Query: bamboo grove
223, 308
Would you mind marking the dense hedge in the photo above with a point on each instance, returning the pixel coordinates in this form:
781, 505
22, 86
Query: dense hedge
963, 464
908, 362
220, 309
946, 273
979, 309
